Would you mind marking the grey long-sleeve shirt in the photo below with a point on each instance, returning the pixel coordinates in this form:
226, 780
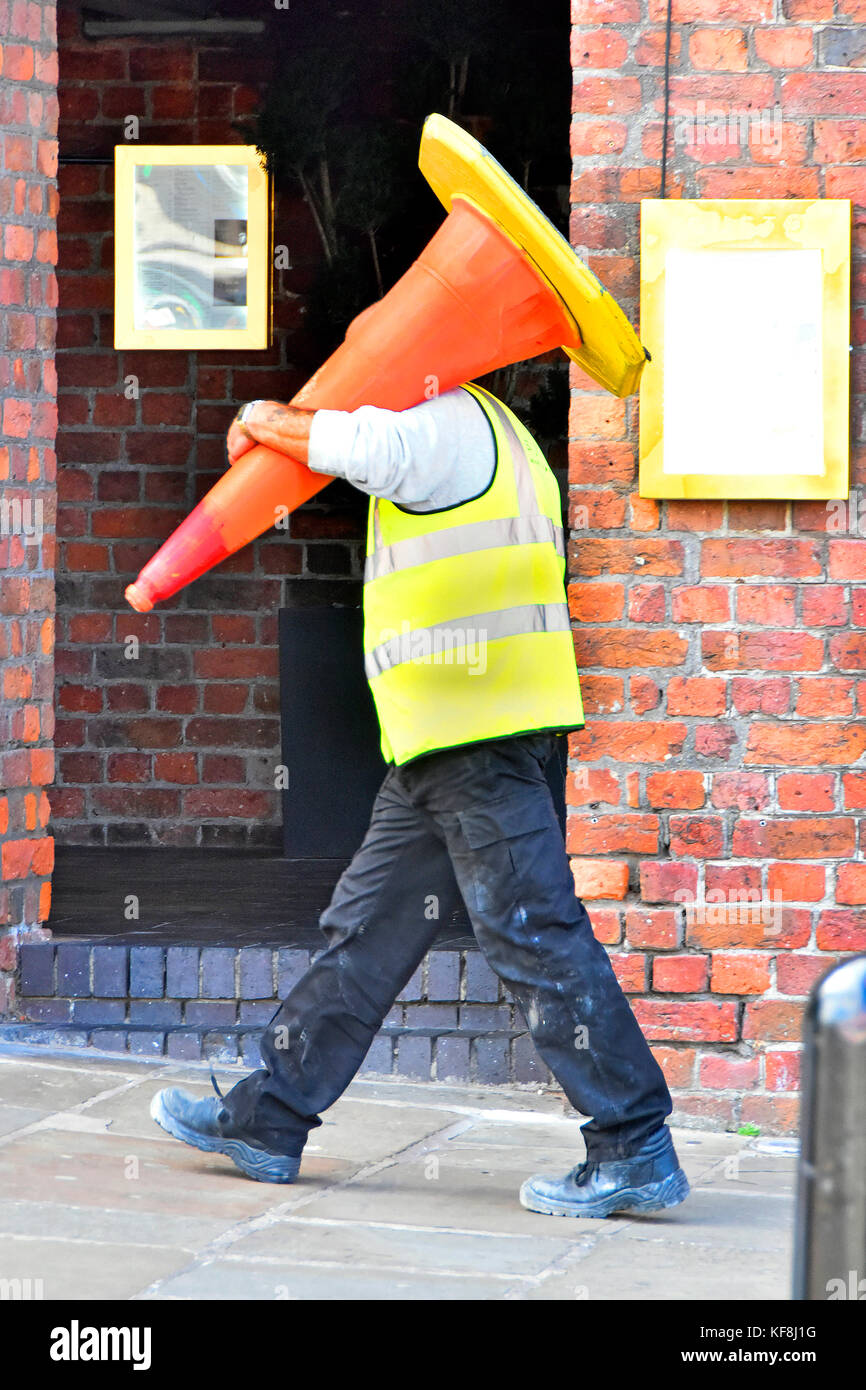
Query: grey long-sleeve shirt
434, 455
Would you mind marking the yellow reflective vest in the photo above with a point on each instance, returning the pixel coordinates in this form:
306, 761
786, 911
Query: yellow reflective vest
466, 627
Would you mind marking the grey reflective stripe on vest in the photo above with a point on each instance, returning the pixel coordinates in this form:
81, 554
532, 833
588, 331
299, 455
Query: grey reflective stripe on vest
530, 527
462, 540
426, 643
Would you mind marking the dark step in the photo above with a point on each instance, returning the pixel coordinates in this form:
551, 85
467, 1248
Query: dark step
201, 896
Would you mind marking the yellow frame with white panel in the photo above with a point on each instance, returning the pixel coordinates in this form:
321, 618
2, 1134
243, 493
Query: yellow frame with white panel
257, 254
702, 229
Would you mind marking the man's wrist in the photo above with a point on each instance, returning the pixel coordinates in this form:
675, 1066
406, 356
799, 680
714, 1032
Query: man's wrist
285, 428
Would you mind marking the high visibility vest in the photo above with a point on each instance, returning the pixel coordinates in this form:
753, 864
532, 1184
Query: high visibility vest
467, 634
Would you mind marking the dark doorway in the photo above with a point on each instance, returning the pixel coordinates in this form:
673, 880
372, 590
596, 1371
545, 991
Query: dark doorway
331, 736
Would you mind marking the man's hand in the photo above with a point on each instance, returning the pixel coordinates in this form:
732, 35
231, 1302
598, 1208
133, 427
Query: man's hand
238, 439
285, 428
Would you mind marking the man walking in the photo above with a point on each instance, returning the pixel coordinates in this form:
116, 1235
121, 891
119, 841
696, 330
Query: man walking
470, 659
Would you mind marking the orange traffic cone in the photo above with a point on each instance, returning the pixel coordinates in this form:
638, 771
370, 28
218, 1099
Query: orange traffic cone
473, 301
495, 285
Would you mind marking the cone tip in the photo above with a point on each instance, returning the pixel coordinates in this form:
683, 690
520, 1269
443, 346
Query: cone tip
137, 599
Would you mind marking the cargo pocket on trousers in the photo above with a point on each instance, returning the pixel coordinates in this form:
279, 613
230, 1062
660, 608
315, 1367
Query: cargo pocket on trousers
506, 821
506, 858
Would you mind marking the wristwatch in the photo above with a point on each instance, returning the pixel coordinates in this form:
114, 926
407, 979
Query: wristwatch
244, 414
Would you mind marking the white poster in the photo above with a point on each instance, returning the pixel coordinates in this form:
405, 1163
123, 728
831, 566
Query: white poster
743, 386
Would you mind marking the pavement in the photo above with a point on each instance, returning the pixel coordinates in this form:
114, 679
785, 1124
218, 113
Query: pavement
406, 1192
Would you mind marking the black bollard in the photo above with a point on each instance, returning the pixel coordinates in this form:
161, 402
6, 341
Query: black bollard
830, 1239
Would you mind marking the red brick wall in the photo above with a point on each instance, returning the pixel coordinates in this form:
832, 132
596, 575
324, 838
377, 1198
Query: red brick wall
723, 645
176, 744
28, 153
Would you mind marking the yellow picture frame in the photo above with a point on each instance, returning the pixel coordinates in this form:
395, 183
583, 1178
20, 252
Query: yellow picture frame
699, 228
192, 248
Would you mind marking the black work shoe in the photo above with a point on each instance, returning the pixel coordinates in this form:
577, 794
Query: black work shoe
206, 1124
650, 1180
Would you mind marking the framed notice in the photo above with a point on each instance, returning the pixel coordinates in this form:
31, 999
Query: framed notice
745, 310
192, 247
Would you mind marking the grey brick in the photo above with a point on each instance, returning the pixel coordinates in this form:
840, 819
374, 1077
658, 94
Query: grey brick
443, 975
217, 972
452, 1059
482, 984
162, 664
413, 987
250, 1050
147, 972
220, 1047
145, 1043
379, 1059
20, 1032
413, 1057
157, 1013
73, 970
208, 1013
491, 1060
110, 971
66, 1037
843, 46
431, 1016
37, 968
291, 965
109, 1039
90, 1013
184, 1047
257, 1011
394, 1017
526, 1065
49, 1010
256, 973
485, 1018
181, 972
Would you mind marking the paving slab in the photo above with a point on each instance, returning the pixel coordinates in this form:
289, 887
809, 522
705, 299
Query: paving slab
237, 1280
112, 1225
156, 1177
666, 1270
382, 1245
524, 1151
407, 1191
719, 1220
364, 1133
88, 1269
14, 1117
51, 1089
465, 1198
754, 1175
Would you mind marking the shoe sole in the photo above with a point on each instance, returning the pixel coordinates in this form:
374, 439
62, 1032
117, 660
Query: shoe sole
653, 1196
255, 1163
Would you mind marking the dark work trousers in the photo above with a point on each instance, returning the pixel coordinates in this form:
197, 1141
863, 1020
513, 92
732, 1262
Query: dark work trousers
487, 807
